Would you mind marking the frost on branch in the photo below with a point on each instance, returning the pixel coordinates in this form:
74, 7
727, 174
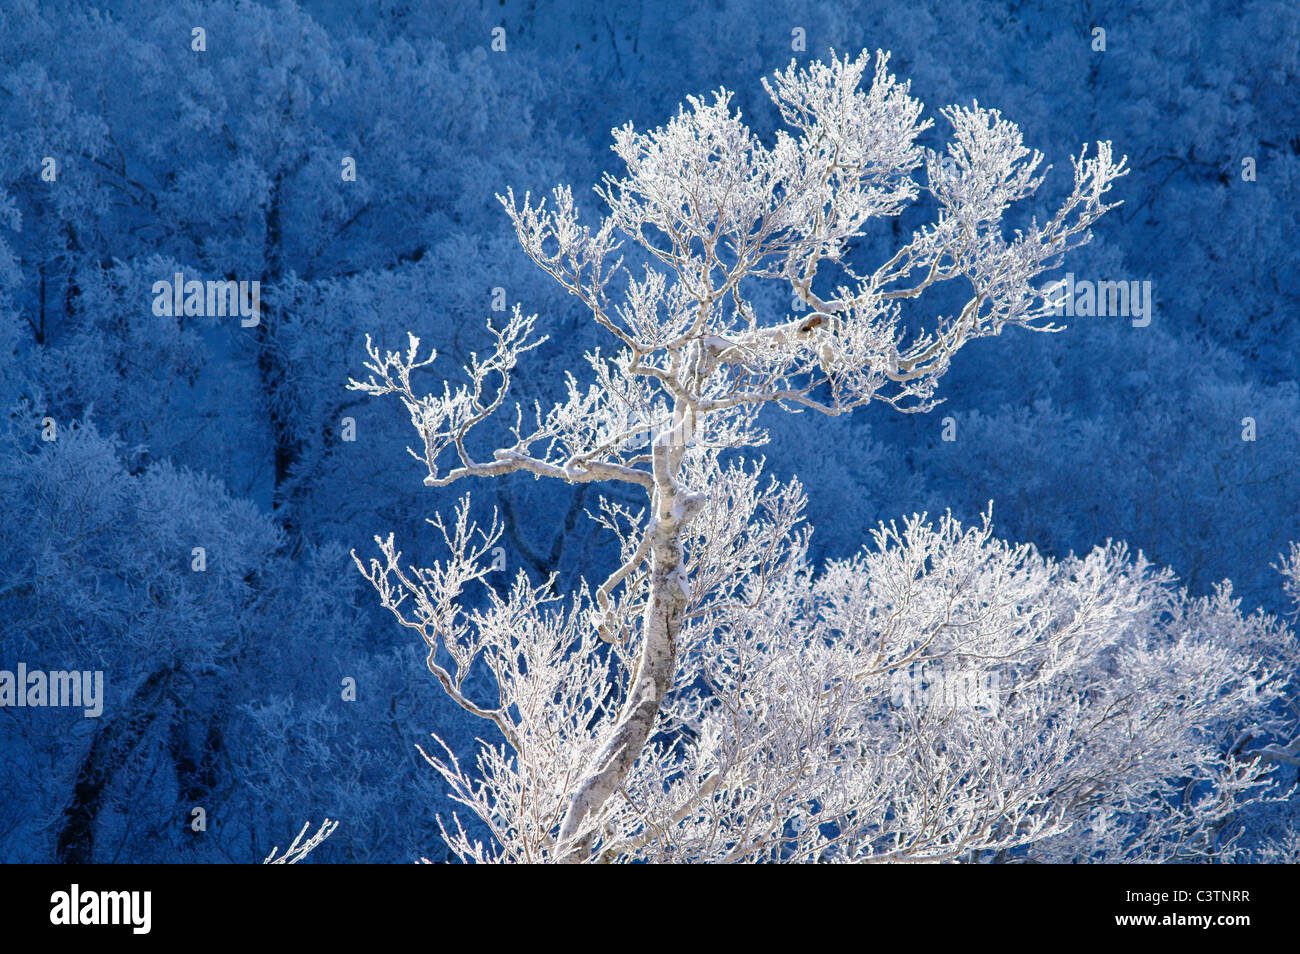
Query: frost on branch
300, 849
712, 215
943, 696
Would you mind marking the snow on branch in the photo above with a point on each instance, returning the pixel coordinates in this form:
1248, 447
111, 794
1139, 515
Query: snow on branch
301, 849
942, 696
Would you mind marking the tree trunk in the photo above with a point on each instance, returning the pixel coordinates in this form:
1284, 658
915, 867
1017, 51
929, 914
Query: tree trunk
660, 624
287, 448
75, 842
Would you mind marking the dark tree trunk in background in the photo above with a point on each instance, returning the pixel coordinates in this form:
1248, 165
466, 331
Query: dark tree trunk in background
109, 750
270, 366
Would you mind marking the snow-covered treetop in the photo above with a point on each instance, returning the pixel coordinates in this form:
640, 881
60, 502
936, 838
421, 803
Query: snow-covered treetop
716, 212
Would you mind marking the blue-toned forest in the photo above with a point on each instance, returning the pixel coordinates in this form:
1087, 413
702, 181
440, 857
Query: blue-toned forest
181, 487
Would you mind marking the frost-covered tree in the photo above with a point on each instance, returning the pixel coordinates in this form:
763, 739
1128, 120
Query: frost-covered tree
715, 699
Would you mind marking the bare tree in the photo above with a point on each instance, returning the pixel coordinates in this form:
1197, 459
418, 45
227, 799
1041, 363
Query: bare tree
713, 699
